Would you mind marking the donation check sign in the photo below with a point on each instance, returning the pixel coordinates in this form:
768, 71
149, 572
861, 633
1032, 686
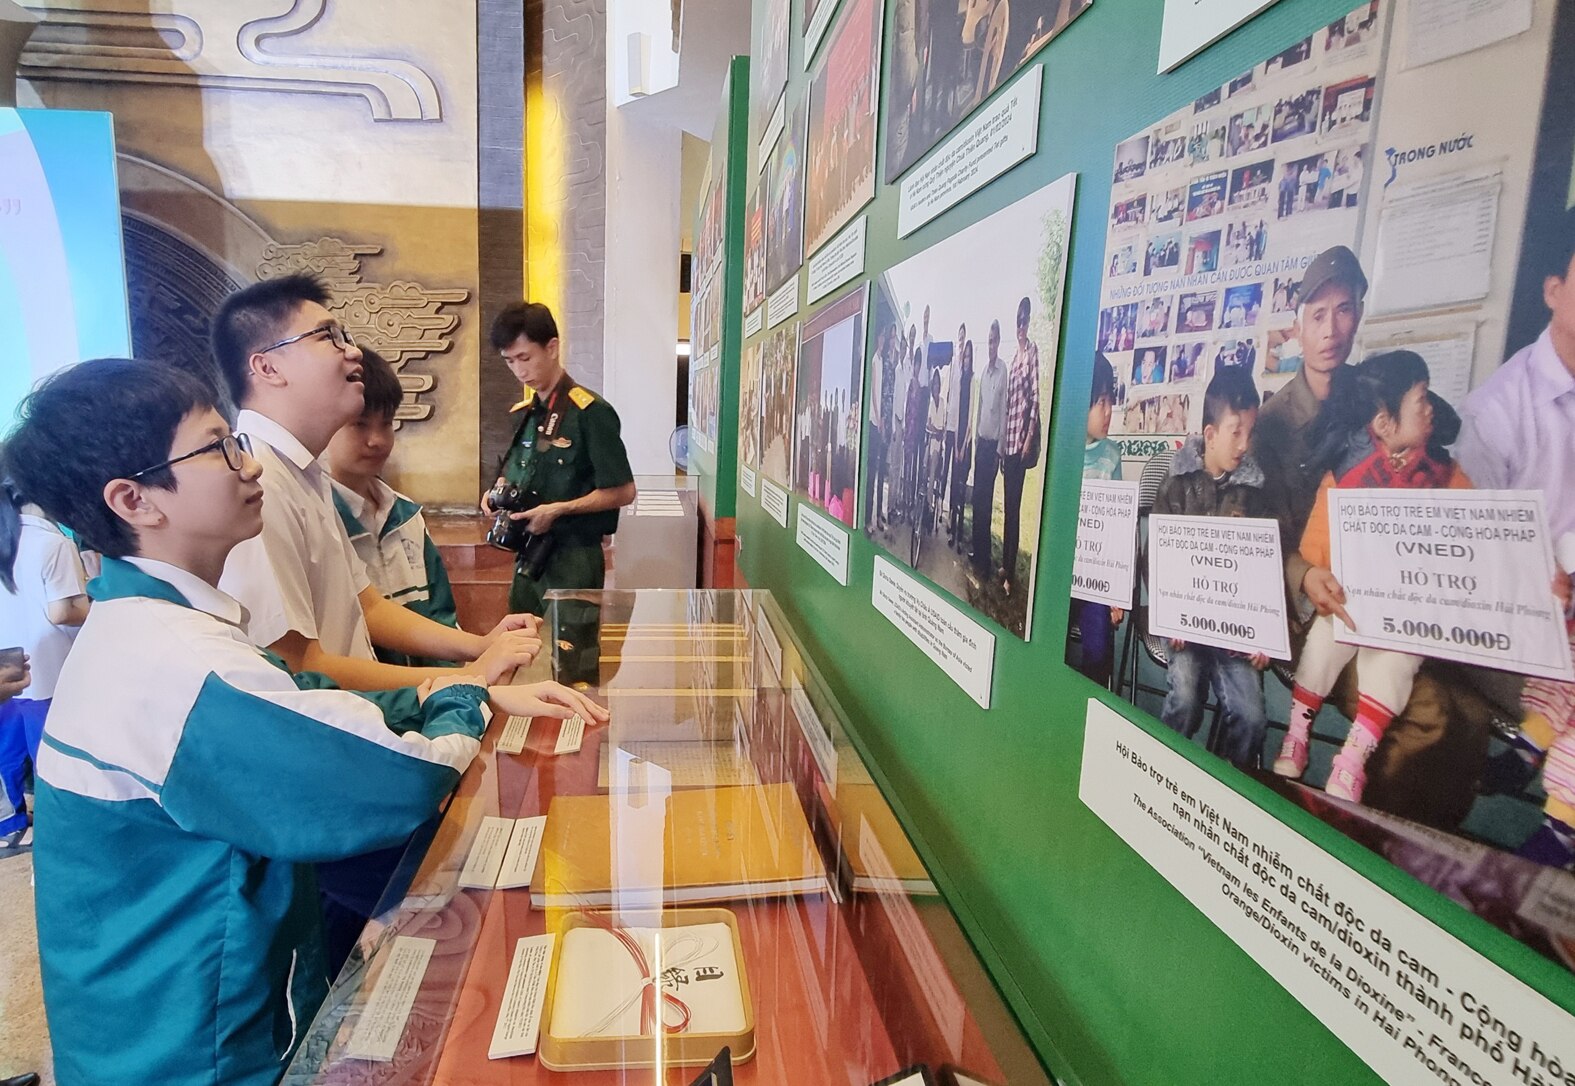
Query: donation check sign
1218, 581
1463, 575
1106, 560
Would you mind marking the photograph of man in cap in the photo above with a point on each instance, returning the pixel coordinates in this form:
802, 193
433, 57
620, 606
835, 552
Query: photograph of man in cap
1427, 766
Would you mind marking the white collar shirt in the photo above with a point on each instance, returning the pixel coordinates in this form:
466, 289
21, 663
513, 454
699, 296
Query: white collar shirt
301, 574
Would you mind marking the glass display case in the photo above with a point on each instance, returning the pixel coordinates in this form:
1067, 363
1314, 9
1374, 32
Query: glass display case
713, 867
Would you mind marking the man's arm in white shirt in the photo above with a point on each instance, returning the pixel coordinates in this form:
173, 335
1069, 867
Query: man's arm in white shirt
1479, 456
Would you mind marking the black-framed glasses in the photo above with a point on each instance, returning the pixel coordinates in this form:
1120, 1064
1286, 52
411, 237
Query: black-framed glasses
235, 447
337, 334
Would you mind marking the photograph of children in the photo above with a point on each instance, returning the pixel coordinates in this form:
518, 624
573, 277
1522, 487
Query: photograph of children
1247, 131
1244, 242
1163, 253
785, 201
1167, 206
1164, 414
1287, 293
778, 357
1153, 317
769, 69
1203, 253
707, 400
829, 405
1249, 185
749, 402
1196, 311
1451, 773
1131, 158
754, 251
1296, 115
1236, 352
842, 96
1287, 59
1184, 358
1118, 327
1242, 305
1148, 366
948, 57
1282, 351
1347, 106
1206, 196
970, 361
1168, 146
1206, 141
1123, 261
1129, 212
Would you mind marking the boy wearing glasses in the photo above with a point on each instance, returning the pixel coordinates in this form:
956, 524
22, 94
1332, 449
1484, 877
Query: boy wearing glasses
295, 374
178, 898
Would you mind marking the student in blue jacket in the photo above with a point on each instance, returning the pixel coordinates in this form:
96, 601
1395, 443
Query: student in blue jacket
186, 780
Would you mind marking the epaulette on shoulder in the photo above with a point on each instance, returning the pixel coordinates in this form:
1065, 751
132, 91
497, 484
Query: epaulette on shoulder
582, 398
525, 400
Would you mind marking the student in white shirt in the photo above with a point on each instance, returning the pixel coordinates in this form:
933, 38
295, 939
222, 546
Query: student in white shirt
42, 602
295, 374
180, 942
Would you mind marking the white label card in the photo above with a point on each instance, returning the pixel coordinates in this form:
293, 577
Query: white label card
519, 1019
1190, 25
746, 478
1105, 565
570, 735
824, 541
515, 732
818, 24
815, 733
1218, 581
382, 1022
840, 259
519, 862
768, 138
958, 645
486, 854
993, 142
1461, 575
774, 500
1416, 1004
755, 320
783, 302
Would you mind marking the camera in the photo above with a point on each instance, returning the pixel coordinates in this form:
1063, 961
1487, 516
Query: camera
515, 535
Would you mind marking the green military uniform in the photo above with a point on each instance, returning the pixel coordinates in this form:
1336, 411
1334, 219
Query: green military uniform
566, 445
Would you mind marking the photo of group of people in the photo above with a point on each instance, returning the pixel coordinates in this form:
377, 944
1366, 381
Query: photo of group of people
947, 57
1204, 247
754, 251
769, 68
778, 360
829, 404
784, 186
1284, 389
705, 392
961, 370
842, 95
749, 403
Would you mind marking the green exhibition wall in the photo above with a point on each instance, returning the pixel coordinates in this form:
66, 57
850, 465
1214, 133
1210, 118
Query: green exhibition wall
717, 472
1113, 975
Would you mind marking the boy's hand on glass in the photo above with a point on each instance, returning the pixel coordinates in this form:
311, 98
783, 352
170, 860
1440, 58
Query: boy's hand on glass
1116, 615
531, 624
509, 650
547, 699
1326, 594
1258, 660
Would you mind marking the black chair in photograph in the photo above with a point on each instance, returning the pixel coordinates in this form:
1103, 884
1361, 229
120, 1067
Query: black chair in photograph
1155, 471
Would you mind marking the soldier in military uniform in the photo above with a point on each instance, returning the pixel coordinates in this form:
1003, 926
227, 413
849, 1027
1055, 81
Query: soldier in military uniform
566, 452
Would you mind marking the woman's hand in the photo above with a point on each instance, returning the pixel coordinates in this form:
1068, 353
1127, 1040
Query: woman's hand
547, 699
